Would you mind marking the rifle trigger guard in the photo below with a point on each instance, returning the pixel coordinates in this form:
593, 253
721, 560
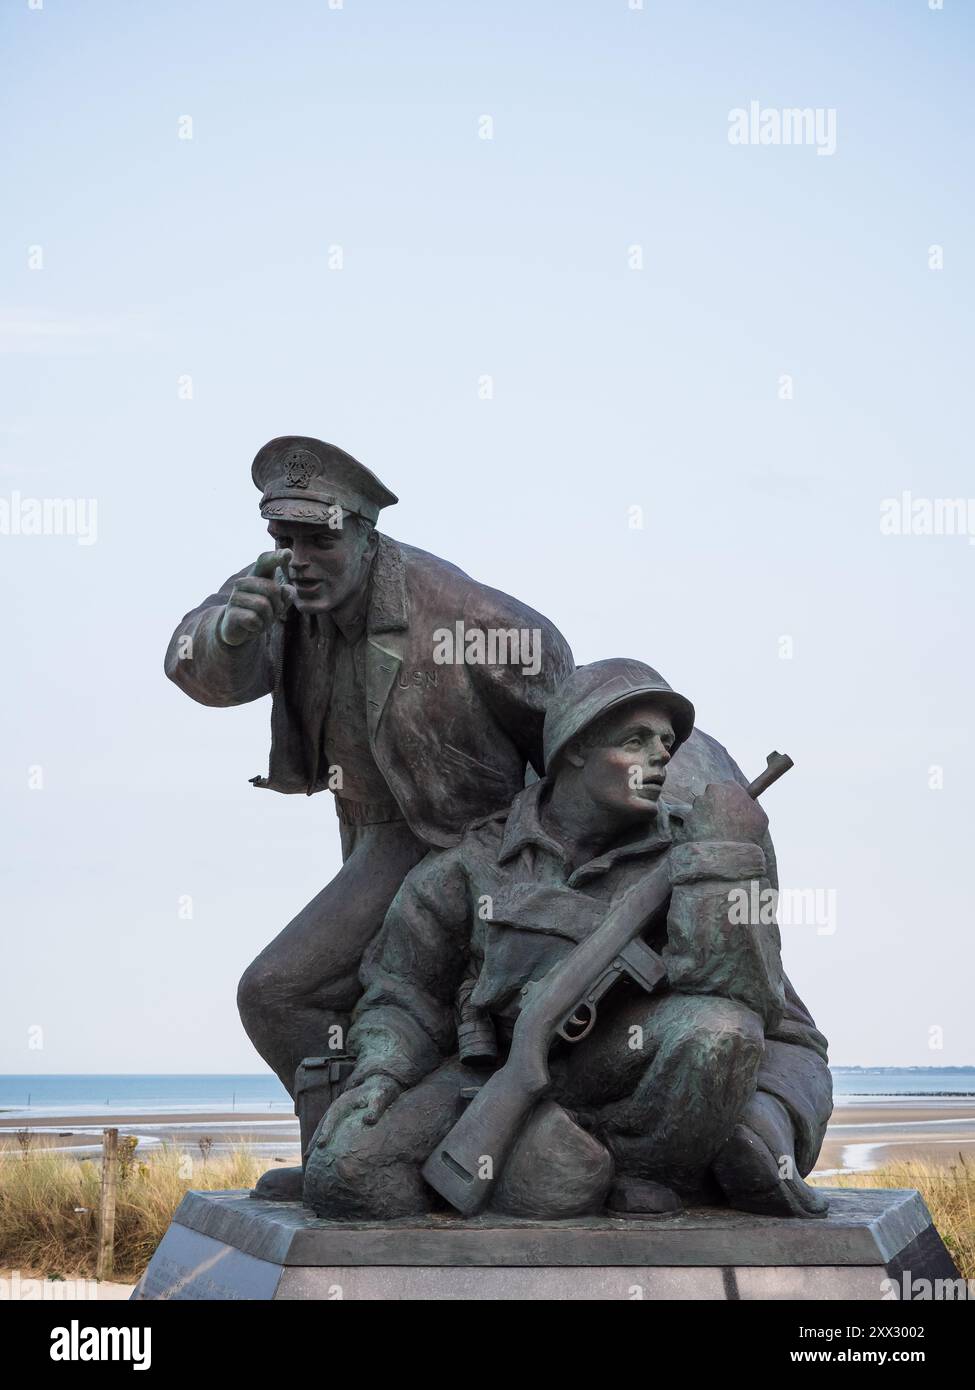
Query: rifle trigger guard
579, 1024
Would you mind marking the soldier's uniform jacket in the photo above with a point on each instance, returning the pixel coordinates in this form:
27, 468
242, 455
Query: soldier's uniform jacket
451, 741
472, 926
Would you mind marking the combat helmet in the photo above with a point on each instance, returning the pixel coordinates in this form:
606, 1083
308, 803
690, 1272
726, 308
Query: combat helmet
592, 690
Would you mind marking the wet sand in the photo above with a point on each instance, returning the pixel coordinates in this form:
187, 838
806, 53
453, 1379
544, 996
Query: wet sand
864, 1133
105, 1121
868, 1132
275, 1134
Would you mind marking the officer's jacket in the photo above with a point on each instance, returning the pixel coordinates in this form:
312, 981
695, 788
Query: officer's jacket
471, 927
451, 740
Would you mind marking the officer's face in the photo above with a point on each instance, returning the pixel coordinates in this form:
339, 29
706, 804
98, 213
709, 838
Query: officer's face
328, 563
624, 760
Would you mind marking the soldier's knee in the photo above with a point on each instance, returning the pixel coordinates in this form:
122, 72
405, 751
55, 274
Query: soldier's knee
351, 1181
248, 995
737, 1023
261, 992
556, 1169
720, 1030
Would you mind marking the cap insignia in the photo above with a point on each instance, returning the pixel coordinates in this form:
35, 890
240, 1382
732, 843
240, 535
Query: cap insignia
300, 467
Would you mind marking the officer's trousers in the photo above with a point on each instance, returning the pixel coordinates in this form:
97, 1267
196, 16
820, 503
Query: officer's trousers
296, 997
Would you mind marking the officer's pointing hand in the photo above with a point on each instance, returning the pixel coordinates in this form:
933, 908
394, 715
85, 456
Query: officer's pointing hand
257, 599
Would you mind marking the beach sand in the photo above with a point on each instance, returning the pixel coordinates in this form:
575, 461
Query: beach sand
274, 1135
864, 1133
868, 1132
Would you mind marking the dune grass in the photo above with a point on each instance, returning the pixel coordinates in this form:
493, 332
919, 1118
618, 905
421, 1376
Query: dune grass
49, 1205
948, 1190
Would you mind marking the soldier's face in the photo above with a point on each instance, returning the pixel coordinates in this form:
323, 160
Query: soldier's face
328, 563
624, 761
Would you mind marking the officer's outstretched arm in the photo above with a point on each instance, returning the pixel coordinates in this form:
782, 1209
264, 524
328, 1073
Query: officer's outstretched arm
220, 654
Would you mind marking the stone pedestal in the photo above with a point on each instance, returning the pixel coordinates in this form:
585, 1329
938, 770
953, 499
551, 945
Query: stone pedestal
227, 1245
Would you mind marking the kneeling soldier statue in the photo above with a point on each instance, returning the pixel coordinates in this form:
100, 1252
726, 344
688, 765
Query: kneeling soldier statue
563, 1013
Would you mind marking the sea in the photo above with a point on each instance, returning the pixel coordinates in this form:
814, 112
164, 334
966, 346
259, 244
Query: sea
227, 1094
100, 1094
855, 1082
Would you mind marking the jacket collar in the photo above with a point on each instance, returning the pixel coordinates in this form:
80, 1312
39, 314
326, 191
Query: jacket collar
523, 828
388, 603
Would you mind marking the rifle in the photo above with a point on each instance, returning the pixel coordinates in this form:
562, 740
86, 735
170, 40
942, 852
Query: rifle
465, 1165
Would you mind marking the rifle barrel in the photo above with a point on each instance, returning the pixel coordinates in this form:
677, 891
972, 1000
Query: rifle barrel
778, 765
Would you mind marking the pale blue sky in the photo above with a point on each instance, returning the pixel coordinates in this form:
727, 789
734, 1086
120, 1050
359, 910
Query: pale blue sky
358, 128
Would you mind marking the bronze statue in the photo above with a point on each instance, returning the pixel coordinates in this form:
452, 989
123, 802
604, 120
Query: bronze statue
430, 705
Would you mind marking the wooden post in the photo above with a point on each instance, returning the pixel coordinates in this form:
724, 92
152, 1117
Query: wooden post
106, 1204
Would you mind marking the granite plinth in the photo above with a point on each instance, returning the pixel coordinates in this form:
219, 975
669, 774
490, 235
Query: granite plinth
227, 1245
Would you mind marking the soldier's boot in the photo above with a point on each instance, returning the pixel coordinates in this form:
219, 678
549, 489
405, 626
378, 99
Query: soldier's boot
280, 1185
640, 1197
756, 1166
318, 1080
